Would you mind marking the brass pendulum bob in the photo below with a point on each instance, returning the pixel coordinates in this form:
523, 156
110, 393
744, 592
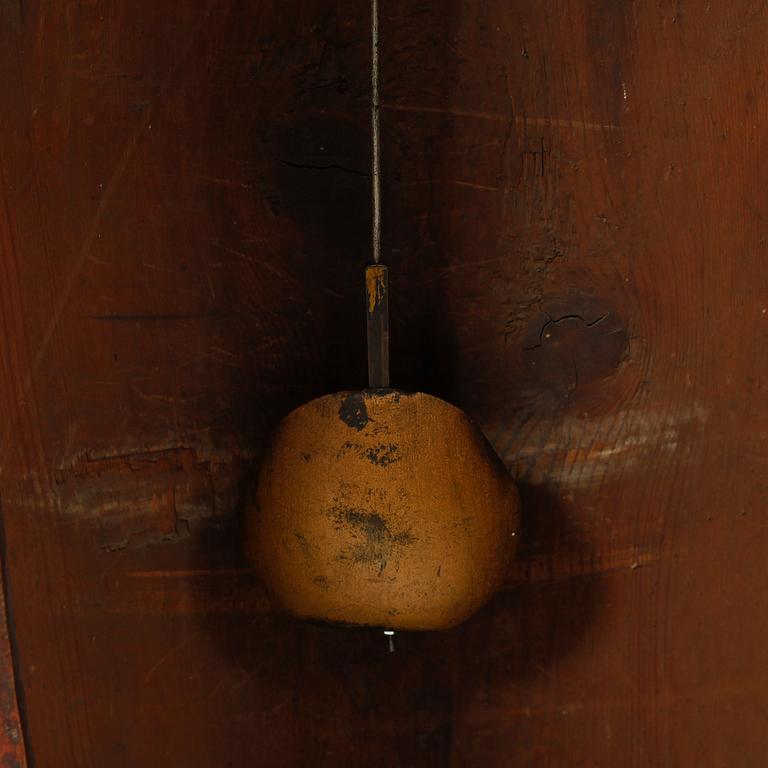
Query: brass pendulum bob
381, 507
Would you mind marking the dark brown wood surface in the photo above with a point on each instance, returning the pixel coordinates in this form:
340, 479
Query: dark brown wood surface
575, 221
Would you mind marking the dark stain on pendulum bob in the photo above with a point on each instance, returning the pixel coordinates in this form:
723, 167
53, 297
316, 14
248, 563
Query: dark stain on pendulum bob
353, 411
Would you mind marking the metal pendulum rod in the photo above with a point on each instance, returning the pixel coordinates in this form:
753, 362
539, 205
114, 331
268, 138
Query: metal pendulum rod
376, 278
376, 274
377, 316
375, 137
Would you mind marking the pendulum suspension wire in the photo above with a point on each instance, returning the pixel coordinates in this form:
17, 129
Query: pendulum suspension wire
376, 274
375, 137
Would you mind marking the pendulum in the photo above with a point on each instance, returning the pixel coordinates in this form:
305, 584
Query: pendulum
380, 507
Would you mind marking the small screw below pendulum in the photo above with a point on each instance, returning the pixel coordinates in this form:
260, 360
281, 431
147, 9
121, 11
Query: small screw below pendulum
390, 633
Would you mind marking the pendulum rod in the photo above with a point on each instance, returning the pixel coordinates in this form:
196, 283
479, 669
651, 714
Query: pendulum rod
377, 317
375, 137
376, 274
376, 278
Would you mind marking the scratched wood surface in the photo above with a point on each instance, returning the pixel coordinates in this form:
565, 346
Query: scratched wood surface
575, 223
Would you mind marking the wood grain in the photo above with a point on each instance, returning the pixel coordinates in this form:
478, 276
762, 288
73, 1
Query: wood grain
575, 226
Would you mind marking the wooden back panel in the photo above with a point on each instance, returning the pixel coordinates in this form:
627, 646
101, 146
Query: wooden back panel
575, 225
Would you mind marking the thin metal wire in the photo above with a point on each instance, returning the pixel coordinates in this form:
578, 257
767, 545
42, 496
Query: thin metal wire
376, 145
